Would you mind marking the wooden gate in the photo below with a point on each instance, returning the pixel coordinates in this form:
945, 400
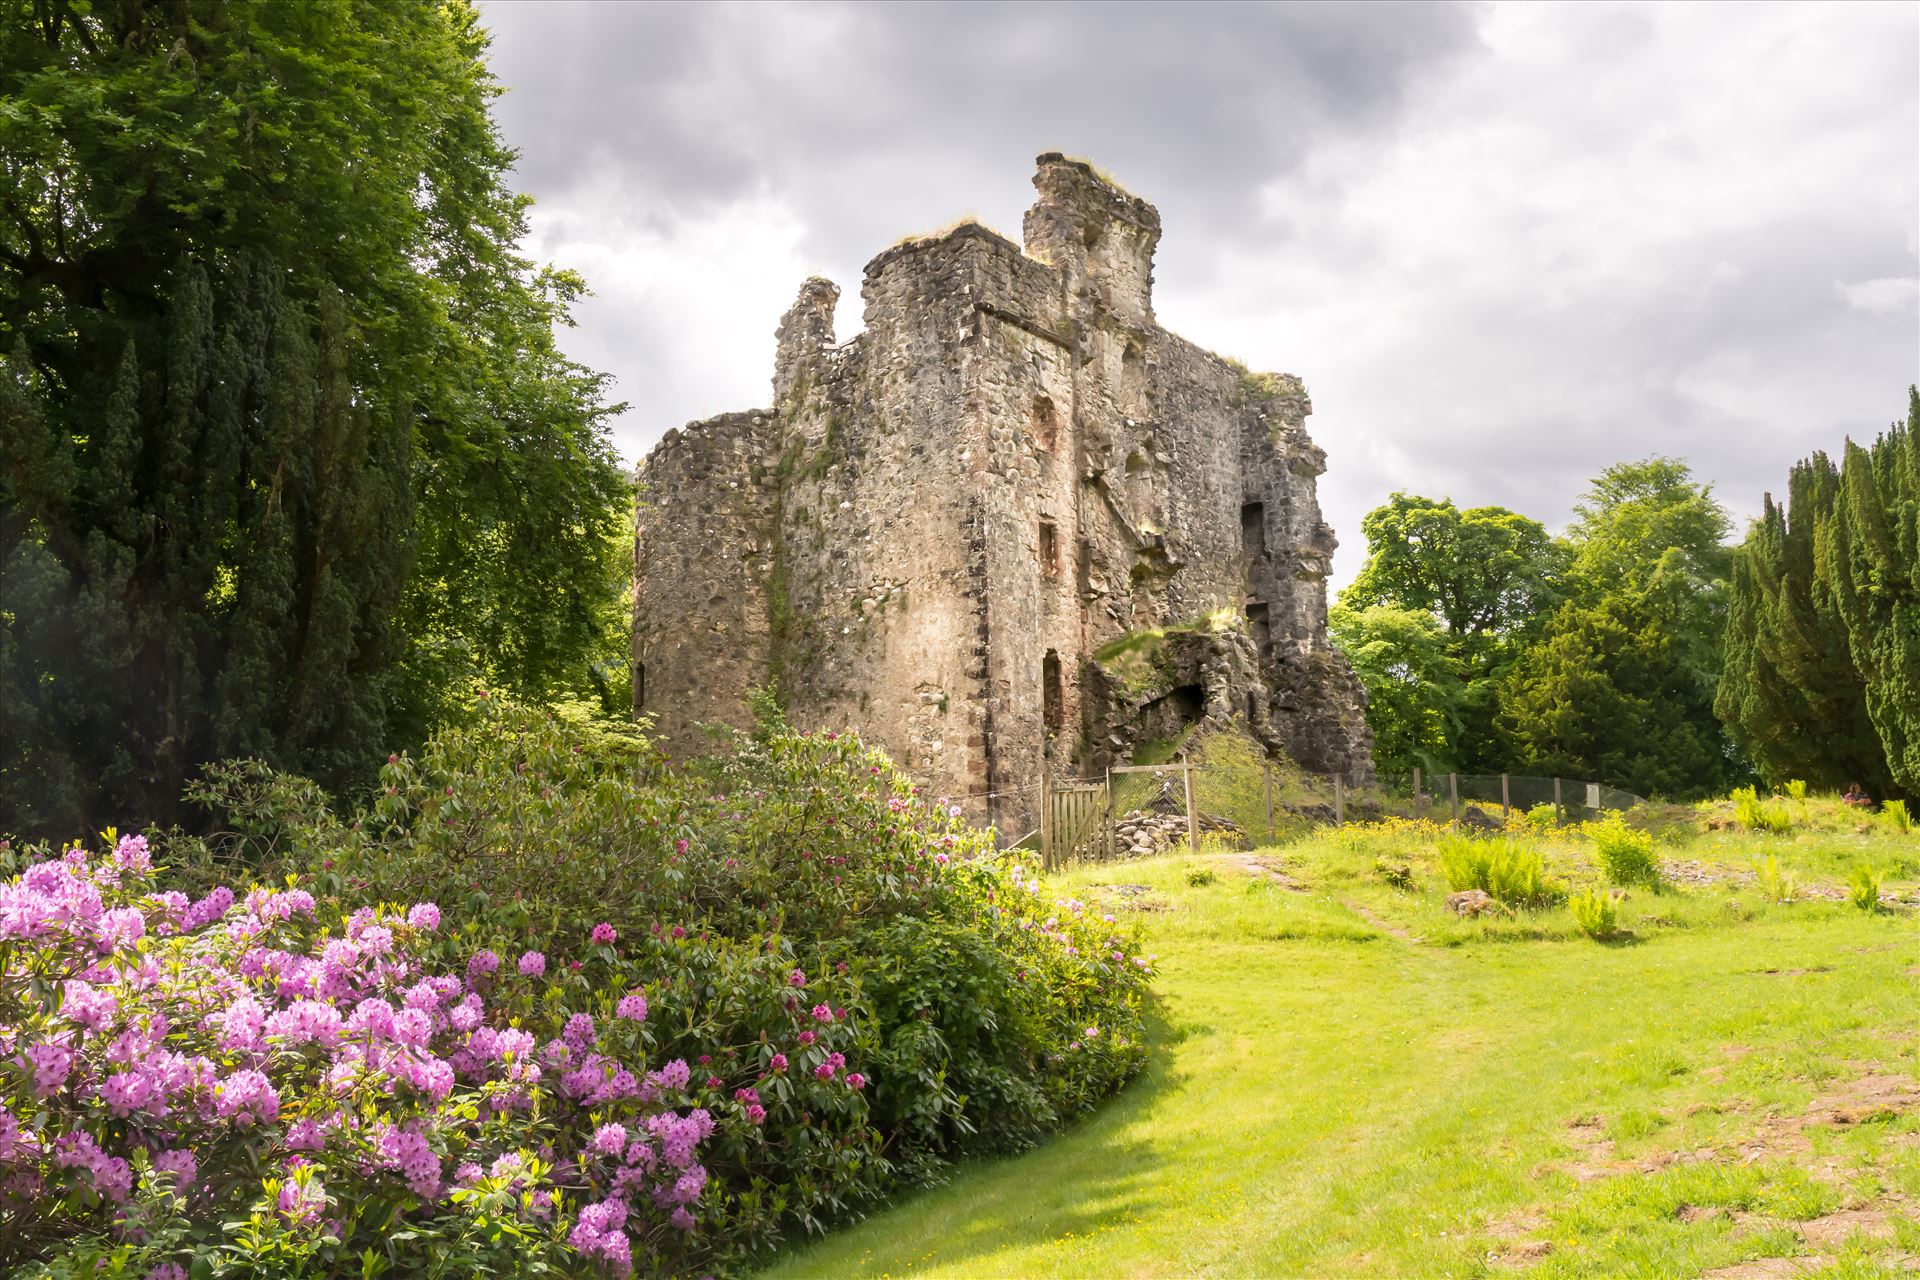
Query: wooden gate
1076, 823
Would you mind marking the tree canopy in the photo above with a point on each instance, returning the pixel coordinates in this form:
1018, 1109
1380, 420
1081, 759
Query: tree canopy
1823, 640
1484, 571
291, 458
1595, 655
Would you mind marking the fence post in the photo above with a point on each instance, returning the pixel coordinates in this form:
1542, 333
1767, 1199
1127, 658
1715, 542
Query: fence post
1558, 816
1046, 813
1416, 791
1506, 810
1107, 819
1453, 794
1339, 804
1269, 773
1193, 829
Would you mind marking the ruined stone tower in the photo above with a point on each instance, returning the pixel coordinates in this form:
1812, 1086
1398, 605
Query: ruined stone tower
1014, 516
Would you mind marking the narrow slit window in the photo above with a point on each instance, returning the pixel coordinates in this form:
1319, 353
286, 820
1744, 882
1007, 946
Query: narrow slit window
1049, 549
1052, 693
1253, 530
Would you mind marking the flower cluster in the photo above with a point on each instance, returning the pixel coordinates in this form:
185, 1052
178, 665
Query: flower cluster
137, 1028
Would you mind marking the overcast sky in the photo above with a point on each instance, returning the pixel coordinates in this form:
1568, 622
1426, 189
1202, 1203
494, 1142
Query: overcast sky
1504, 245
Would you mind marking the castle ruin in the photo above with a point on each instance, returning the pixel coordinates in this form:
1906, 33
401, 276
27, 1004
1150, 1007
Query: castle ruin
1013, 525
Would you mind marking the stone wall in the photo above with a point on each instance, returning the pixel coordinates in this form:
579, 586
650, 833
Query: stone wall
941, 522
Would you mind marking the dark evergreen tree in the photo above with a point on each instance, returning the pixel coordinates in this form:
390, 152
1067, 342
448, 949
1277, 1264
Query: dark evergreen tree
1789, 692
1874, 566
289, 460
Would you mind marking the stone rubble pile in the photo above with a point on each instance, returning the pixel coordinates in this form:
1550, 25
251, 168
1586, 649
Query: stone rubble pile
1140, 832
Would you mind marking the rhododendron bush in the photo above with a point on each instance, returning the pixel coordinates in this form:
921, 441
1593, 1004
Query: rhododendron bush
264, 1084
661, 1017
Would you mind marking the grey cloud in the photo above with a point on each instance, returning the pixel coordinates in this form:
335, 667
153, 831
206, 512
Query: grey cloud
865, 113
1746, 175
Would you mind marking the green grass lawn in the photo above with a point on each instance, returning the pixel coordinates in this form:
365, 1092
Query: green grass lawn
1349, 1081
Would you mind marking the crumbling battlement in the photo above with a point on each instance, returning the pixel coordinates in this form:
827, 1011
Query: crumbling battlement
941, 521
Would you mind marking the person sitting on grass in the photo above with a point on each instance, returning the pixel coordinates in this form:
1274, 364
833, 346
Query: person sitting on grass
1855, 796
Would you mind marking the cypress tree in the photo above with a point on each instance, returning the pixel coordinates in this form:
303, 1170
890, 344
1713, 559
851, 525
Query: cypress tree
1789, 692
1822, 680
1874, 567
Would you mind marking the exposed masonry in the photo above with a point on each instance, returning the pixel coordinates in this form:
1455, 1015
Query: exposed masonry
939, 523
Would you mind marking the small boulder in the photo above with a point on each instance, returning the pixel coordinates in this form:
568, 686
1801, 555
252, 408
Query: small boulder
1471, 902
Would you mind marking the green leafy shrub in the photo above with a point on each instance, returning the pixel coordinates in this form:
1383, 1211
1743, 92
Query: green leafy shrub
993, 1013
1505, 869
1595, 913
1777, 885
1894, 813
1625, 854
1755, 814
1542, 818
1199, 877
1797, 789
1863, 887
267, 1083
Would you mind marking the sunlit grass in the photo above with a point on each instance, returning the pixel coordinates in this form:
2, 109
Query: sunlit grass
1350, 1081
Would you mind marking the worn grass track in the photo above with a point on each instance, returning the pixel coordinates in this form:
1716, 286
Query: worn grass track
1326, 1099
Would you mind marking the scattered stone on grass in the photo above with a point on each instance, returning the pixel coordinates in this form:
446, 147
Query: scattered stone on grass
1472, 902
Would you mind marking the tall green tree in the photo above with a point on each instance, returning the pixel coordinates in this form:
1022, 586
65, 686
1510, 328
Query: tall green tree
1620, 685
288, 456
1489, 578
1414, 684
1789, 691
1873, 562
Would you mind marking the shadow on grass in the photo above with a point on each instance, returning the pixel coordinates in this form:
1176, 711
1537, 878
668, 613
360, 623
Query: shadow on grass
991, 1204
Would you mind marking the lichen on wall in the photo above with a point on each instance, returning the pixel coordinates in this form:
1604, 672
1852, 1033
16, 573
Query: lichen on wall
942, 522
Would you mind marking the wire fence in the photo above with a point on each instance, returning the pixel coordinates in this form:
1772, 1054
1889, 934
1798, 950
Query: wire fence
1244, 803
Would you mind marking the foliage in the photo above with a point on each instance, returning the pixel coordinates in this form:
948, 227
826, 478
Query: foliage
1756, 814
1874, 568
1542, 818
1482, 572
288, 455
1863, 887
978, 990
1595, 913
1821, 666
1895, 814
1796, 789
1444, 602
1311, 1051
1485, 645
271, 1083
1414, 684
1620, 685
1625, 854
1776, 883
1508, 870
1397, 874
